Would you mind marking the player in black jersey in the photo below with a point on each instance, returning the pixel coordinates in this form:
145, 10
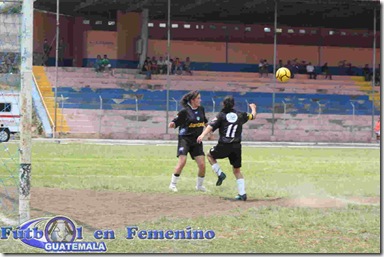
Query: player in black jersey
230, 124
191, 121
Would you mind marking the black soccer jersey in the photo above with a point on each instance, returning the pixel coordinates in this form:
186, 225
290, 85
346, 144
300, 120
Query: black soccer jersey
191, 122
230, 125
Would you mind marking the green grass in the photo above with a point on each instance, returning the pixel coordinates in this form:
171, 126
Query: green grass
269, 172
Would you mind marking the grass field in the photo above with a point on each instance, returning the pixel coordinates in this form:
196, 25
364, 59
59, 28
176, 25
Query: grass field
269, 172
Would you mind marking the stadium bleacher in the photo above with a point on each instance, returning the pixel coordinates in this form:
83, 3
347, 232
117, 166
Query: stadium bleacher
101, 105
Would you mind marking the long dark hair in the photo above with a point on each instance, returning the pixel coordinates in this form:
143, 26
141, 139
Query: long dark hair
188, 97
228, 104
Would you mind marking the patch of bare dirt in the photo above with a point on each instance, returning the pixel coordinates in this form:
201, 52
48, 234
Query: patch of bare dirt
111, 209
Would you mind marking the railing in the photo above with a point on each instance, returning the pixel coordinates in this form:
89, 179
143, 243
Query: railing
353, 119
42, 99
321, 117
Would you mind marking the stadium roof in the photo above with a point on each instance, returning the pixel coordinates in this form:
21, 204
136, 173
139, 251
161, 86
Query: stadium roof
316, 13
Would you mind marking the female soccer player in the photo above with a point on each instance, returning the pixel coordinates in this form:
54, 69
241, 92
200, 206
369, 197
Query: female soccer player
230, 124
191, 121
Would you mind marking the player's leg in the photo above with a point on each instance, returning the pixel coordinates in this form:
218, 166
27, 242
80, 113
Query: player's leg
200, 160
197, 153
182, 151
235, 160
176, 174
217, 152
240, 184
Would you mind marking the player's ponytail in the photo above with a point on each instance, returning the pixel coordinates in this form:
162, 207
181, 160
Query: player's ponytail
228, 104
188, 97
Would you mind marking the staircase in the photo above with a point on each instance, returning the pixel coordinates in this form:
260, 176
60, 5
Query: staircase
366, 87
45, 88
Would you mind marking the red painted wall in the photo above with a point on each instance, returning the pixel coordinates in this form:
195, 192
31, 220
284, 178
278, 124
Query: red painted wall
204, 44
252, 53
45, 27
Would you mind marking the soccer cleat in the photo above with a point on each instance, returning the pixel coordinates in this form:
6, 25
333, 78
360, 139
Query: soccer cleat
220, 179
173, 188
201, 188
241, 197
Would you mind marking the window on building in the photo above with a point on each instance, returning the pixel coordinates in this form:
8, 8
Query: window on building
175, 26
99, 22
343, 33
236, 28
291, 31
187, 26
302, 31
111, 23
162, 25
197, 26
248, 29
212, 26
331, 32
150, 25
202, 26
86, 22
5, 107
313, 32
279, 30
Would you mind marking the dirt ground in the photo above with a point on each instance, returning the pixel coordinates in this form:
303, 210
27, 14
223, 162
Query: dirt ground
112, 210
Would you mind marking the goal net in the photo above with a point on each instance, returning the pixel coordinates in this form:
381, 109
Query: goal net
10, 59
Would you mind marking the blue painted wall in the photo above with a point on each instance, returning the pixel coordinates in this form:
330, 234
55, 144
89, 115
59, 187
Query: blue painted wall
88, 98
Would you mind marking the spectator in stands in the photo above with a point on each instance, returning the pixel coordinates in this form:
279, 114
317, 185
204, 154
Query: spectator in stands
302, 67
46, 49
98, 64
342, 67
61, 51
378, 75
106, 64
349, 69
377, 129
367, 73
161, 66
146, 69
265, 67
187, 66
311, 71
291, 68
261, 68
178, 67
171, 65
279, 65
154, 65
325, 71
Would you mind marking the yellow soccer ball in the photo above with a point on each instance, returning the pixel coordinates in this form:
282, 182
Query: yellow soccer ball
283, 74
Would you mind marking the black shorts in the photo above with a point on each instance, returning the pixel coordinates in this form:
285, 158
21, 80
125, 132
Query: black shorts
189, 145
232, 151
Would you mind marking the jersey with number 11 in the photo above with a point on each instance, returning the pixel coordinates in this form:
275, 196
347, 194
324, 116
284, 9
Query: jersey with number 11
230, 125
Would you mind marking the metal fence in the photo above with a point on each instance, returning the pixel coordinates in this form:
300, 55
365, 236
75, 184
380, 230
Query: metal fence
296, 119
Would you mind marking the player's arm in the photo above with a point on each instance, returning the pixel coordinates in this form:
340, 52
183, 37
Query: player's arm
210, 136
178, 120
206, 131
212, 126
252, 116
